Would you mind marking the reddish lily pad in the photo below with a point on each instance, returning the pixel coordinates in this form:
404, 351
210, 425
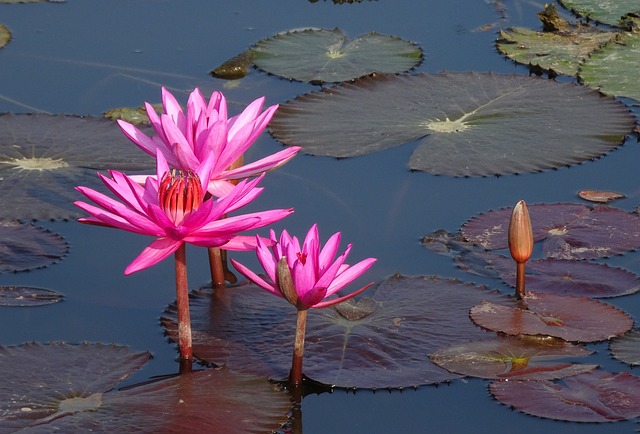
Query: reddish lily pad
570, 318
467, 124
377, 342
627, 348
42, 159
26, 247
73, 393
506, 357
599, 195
24, 296
596, 396
569, 231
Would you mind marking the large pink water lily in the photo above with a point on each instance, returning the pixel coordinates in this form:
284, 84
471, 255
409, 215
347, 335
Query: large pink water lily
316, 276
188, 139
173, 207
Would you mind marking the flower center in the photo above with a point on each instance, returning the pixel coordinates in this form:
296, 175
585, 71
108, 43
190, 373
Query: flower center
179, 194
302, 257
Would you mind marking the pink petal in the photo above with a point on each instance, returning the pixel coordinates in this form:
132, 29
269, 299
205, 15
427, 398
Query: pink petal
173, 110
313, 296
143, 141
152, 254
263, 165
349, 275
329, 251
256, 278
335, 301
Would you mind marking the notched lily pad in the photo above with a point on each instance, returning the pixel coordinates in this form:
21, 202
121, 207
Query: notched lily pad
627, 348
603, 11
42, 159
25, 296
574, 319
569, 231
513, 358
381, 341
5, 36
326, 56
596, 396
26, 247
467, 124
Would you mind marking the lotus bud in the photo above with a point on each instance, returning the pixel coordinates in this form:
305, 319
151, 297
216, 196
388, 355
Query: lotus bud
285, 281
520, 233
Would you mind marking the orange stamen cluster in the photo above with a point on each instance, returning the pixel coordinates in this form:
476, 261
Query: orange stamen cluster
179, 194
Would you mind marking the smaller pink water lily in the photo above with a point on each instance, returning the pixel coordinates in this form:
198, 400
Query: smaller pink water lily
173, 207
313, 270
188, 139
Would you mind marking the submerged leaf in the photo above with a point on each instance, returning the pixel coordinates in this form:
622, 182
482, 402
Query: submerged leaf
566, 317
596, 396
23, 296
25, 247
325, 56
513, 358
468, 124
627, 348
379, 342
42, 159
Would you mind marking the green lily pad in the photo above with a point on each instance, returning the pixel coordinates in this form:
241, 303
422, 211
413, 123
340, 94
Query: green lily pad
135, 116
613, 69
234, 68
513, 358
603, 11
381, 341
627, 348
26, 247
326, 56
24, 296
5, 36
467, 124
43, 157
595, 396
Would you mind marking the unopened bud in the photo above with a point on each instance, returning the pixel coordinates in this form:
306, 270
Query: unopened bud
520, 233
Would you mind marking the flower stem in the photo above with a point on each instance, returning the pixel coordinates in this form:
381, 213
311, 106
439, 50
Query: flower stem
182, 302
217, 269
295, 377
520, 273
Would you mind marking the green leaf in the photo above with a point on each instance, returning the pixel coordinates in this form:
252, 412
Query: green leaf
604, 11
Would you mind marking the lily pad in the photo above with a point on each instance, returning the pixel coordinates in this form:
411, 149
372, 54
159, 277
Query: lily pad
513, 358
72, 392
135, 116
380, 342
326, 56
42, 159
5, 36
575, 319
25, 296
613, 69
596, 396
599, 196
467, 124
603, 11
26, 247
569, 231
234, 68
627, 348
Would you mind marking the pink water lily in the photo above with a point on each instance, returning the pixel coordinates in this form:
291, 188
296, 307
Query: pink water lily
315, 274
174, 208
188, 139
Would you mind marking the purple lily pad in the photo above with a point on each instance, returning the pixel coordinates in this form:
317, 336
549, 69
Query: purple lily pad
42, 159
627, 348
507, 357
26, 247
380, 341
23, 296
72, 392
566, 317
468, 124
569, 231
596, 396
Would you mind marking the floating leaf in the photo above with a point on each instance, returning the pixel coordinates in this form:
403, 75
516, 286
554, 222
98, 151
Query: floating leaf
569, 231
234, 68
67, 388
613, 69
5, 36
506, 357
325, 56
566, 317
627, 348
23, 296
468, 124
596, 396
599, 195
380, 342
42, 159
445, 243
25, 247
604, 11
132, 115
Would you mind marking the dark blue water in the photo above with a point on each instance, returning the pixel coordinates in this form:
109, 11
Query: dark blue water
87, 56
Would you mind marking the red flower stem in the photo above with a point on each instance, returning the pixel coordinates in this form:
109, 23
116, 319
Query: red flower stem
182, 302
520, 293
217, 269
295, 377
